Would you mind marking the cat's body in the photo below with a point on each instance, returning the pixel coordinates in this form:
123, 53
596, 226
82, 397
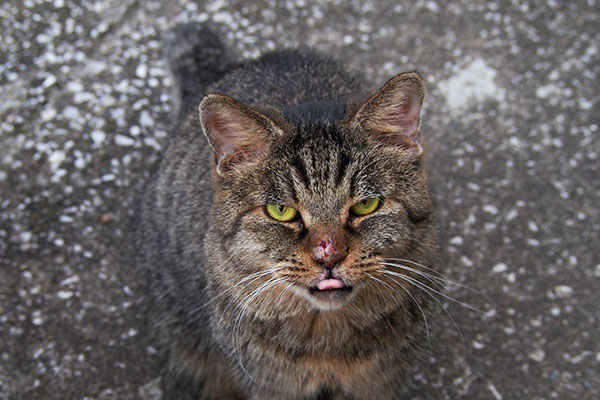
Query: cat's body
256, 305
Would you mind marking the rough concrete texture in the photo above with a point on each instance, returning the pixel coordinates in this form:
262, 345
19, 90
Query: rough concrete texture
511, 118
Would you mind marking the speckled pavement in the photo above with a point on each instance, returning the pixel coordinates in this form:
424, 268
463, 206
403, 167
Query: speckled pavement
511, 119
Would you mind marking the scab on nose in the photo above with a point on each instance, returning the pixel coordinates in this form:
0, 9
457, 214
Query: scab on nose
328, 247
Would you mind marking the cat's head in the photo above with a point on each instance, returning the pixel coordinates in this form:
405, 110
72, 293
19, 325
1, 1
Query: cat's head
315, 208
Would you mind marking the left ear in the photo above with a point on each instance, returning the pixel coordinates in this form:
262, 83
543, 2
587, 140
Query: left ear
392, 114
237, 134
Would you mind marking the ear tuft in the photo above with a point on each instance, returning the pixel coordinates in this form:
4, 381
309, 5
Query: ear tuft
236, 133
392, 115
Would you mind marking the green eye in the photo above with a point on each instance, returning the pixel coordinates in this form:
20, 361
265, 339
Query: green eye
365, 207
281, 213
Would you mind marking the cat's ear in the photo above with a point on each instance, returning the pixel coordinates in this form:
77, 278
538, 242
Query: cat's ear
392, 115
236, 133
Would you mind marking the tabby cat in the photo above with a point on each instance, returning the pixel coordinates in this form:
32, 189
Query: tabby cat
288, 232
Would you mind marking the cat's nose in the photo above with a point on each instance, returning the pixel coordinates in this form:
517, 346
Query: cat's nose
328, 250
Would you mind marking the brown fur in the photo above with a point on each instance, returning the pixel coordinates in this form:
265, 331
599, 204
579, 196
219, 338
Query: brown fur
269, 336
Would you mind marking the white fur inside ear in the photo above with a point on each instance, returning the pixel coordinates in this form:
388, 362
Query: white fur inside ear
236, 133
392, 115
401, 118
412, 119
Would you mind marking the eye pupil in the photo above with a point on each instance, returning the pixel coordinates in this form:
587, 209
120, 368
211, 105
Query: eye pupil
281, 208
365, 202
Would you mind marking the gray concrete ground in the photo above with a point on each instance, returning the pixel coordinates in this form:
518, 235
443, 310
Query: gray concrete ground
512, 122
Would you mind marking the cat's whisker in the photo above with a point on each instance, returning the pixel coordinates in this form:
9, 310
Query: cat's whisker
248, 299
412, 297
427, 288
249, 280
285, 289
431, 278
432, 273
255, 276
393, 293
250, 296
414, 263
438, 276
382, 282
237, 324
404, 277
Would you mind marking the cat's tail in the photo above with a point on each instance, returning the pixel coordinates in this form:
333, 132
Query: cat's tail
196, 57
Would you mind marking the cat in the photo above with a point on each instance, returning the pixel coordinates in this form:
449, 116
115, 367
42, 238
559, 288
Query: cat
288, 233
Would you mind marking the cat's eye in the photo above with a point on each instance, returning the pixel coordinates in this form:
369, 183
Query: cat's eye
281, 213
366, 206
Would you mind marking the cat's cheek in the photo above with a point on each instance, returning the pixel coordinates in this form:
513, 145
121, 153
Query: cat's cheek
247, 248
384, 233
259, 239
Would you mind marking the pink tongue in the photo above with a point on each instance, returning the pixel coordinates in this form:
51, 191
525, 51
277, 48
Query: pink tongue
330, 284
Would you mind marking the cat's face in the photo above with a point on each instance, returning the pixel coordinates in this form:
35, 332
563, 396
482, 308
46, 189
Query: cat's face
316, 210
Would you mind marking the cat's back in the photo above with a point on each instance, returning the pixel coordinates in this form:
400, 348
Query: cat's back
286, 78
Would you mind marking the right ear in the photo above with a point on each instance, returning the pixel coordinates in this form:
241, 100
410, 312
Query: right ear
392, 115
236, 133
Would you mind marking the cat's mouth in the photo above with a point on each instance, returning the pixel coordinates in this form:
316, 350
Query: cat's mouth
330, 284
330, 289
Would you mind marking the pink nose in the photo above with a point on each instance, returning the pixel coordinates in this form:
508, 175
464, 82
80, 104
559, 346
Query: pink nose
327, 253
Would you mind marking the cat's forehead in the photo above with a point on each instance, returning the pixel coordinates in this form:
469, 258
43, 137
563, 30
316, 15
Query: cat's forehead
322, 168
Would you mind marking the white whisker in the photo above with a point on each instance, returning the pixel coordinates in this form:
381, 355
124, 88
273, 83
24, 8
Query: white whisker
252, 278
438, 276
412, 297
425, 275
415, 263
254, 275
285, 289
237, 325
425, 287
404, 277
